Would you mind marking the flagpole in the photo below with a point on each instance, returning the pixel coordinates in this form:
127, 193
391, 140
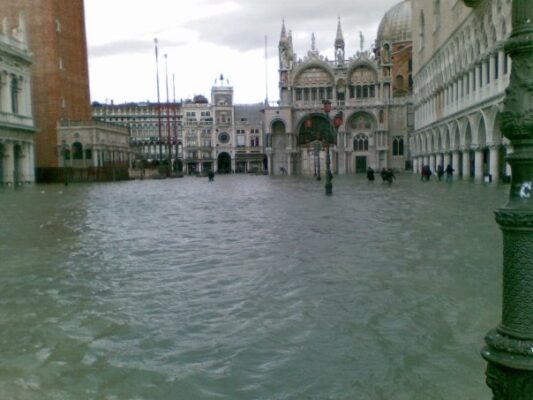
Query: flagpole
158, 104
168, 117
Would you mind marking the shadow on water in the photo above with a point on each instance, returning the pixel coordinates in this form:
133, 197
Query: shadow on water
248, 287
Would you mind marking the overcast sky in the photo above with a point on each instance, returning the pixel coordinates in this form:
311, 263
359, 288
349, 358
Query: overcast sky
206, 38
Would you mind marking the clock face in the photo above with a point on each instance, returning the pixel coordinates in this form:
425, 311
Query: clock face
223, 137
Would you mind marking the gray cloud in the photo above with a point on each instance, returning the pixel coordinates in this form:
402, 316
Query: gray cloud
246, 29
129, 46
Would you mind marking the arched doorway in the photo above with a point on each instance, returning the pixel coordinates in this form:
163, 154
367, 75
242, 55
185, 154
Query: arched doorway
279, 147
313, 134
360, 129
224, 163
178, 165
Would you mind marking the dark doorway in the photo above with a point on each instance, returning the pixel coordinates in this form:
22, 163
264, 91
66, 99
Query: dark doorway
360, 164
224, 163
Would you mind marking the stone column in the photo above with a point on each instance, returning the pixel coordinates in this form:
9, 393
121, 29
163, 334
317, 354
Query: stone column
23, 166
455, 163
509, 347
31, 161
5, 101
466, 163
494, 163
432, 162
9, 162
446, 160
478, 163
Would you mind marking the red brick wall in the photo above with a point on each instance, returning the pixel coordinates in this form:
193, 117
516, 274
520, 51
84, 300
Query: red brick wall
50, 84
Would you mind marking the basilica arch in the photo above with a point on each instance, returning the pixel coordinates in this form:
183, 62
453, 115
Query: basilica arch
278, 159
364, 144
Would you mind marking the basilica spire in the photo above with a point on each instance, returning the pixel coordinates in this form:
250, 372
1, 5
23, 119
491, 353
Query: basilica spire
339, 44
284, 47
283, 36
339, 39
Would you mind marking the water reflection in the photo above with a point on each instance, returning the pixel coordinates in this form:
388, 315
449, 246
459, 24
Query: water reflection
248, 287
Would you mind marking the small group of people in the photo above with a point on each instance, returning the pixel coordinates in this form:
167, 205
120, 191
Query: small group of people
426, 173
387, 174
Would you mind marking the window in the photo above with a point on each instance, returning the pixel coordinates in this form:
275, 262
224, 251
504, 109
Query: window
422, 29
14, 95
505, 64
436, 13
360, 143
77, 151
241, 140
397, 146
399, 82
496, 65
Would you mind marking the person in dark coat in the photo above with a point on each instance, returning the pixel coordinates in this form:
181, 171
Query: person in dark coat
440, 172
449, 172
370, 174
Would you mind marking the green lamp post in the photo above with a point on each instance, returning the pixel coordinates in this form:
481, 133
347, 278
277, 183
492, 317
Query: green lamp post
509, 347
337, 122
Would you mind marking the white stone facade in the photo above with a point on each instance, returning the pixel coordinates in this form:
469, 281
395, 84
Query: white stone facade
371, 89
460, 72
93, 145
17, 130
204, 136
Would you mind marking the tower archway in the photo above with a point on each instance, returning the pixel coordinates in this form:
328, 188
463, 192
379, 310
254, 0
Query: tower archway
224, 163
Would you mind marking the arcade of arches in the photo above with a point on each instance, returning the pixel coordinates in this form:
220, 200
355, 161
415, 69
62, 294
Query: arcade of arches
472, 145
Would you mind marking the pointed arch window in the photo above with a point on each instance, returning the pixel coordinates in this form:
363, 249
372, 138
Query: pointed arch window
360, 142
397, 146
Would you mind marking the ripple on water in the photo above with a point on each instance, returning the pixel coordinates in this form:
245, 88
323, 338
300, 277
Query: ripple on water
248, 287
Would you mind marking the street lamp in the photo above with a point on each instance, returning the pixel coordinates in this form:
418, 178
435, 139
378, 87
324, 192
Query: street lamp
337, 122
509, 346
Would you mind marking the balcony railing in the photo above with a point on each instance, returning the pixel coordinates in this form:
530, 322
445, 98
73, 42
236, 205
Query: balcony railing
16, 119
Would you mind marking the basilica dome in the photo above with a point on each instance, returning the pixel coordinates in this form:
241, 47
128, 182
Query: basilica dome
395, 26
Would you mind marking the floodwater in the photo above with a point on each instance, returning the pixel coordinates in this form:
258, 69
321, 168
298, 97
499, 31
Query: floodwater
248, 287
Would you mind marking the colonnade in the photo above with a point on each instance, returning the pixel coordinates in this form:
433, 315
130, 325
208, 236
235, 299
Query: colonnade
471, 162
17, 162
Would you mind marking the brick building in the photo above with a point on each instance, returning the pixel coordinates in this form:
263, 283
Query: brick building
60, 84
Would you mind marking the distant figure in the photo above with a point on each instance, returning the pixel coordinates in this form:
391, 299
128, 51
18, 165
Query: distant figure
449, 173
426, 173
440, 172
387, 175
283, 170
211, 176
370, 174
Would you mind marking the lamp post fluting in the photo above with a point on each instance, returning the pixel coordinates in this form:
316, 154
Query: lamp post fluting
509, 347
